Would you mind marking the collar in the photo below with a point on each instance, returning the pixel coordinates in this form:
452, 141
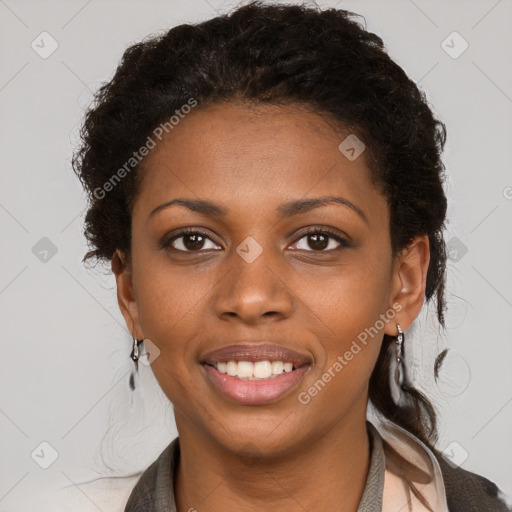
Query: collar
397, 494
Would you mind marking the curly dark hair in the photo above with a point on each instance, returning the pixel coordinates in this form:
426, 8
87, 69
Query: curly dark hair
323, 60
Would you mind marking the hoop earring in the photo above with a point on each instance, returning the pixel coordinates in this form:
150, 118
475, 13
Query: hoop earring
397, 369
135, 356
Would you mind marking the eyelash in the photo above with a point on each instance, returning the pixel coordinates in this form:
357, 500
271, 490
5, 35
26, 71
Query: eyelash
320, 231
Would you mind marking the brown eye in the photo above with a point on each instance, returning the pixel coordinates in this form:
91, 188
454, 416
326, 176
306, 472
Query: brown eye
191, 241
320, 241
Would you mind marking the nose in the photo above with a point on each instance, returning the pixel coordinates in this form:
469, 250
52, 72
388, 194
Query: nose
254, 292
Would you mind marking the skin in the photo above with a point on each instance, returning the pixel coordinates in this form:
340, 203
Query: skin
312, 299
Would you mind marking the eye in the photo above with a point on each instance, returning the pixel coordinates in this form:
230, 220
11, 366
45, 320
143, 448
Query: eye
320, 240
190, 240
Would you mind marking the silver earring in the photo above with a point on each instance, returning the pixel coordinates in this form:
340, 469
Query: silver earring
135, 356
397, 369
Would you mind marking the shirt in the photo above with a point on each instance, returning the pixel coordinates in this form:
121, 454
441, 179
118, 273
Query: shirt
384, 491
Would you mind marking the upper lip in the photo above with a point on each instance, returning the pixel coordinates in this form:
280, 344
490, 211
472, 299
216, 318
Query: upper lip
255, 352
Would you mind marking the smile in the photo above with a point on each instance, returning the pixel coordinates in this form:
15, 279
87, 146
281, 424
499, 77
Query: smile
255, 373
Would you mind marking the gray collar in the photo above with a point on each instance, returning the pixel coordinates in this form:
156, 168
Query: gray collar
371, 500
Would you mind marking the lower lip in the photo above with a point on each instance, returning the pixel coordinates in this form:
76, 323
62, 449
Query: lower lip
255, 392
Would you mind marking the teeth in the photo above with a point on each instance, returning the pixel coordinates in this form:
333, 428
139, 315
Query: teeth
262, 369
248, 370
277, 367
245, 369
232, 368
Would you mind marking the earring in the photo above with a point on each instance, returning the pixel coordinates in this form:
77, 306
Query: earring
397, 369
135, 356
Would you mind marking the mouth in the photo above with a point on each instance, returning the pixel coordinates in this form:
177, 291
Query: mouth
255, 374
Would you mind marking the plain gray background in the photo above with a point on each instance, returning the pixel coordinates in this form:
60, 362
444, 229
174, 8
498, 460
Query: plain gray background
65, 348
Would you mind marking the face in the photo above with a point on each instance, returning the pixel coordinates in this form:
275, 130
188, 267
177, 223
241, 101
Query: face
264, 265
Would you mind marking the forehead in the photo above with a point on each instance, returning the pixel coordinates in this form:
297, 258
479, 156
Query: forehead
254, 155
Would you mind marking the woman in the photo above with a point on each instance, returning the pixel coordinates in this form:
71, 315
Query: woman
269, 190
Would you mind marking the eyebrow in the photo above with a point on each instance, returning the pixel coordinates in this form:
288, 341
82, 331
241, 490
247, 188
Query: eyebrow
285, 210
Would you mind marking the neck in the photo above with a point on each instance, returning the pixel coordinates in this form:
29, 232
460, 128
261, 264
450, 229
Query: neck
326, 473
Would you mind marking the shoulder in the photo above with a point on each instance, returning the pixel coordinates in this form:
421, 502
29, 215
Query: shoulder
470, 492
153, 491
451, 488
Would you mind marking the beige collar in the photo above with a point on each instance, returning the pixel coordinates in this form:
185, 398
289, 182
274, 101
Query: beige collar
397, 497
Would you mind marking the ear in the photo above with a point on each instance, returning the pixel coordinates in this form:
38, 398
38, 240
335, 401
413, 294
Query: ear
409, 283
126, 294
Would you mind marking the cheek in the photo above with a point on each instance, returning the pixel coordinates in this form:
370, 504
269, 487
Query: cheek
169, 306
353, 310
350, 296
167, 296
